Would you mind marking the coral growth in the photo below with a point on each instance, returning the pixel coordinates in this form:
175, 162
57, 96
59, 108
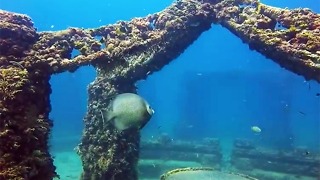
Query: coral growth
24, 126
24, 123
133, 50
295, 46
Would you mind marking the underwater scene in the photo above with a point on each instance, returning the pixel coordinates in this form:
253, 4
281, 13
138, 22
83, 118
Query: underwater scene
160, 90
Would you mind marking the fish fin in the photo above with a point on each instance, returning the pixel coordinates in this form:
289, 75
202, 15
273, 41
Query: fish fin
102, 116
102, 40
112, 118
120, 126
143, 124
109, 116
111, 96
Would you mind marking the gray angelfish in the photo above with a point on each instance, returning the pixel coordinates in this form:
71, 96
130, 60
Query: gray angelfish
128, 110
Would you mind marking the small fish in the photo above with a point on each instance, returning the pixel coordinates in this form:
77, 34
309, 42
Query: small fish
102, 40
302, 113
307, 153
190, 126
128, 110
52, 26
317, 94
256, 129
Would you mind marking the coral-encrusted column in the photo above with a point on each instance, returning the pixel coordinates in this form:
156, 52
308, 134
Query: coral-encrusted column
134, 49
137, 49
24, 125
105, 152
24, 105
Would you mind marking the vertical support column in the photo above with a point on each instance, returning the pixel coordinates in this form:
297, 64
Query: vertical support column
107, 153
24, 125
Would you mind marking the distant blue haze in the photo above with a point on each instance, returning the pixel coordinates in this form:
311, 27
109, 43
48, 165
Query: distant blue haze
216, 88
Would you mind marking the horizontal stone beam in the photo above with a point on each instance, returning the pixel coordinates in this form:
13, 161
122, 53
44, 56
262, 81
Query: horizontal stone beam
290, 38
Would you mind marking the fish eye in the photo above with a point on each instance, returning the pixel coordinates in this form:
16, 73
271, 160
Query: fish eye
150, 109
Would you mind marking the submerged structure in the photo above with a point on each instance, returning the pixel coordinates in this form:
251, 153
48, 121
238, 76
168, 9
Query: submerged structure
202, 173
247, 159
133, 50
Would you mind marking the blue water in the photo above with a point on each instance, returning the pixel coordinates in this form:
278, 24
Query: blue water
216, 88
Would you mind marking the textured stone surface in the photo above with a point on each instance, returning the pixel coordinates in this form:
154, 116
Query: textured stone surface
133, 50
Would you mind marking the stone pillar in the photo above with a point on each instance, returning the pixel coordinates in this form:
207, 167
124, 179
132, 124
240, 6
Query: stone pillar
24, 104
107, 153
24, 125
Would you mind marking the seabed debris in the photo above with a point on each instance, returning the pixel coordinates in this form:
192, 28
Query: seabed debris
133, 50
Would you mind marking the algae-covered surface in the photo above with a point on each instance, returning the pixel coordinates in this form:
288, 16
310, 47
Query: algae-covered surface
235, 89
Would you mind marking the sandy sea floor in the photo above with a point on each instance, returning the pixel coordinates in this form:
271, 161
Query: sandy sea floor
68, 165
